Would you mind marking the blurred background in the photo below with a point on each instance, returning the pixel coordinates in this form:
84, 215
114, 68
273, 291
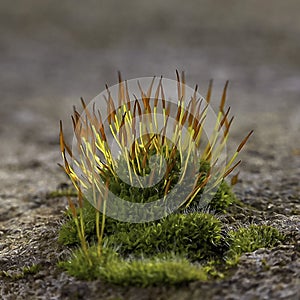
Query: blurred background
52, 52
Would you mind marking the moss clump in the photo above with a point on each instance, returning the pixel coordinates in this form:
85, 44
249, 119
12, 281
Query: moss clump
167, 269
196, 236
180, 248
222, 199
139, 254
249, 239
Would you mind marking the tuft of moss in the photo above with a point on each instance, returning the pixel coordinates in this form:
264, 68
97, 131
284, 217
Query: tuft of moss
168, 269
222, 199
142, 250
196, 236
249, 239
169, 250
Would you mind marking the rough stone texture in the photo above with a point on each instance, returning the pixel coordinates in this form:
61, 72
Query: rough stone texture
52, 52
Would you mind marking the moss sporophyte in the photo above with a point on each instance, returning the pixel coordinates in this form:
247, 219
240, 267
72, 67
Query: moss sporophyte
149, 162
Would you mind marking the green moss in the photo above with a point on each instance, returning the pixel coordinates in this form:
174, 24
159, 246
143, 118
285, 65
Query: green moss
31, 269
169, 250
19, 274
68, 233
218, 201
196, 235
214, 269
157, 257
222, 199
141, 250
188, 244
249, 239
167, 269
